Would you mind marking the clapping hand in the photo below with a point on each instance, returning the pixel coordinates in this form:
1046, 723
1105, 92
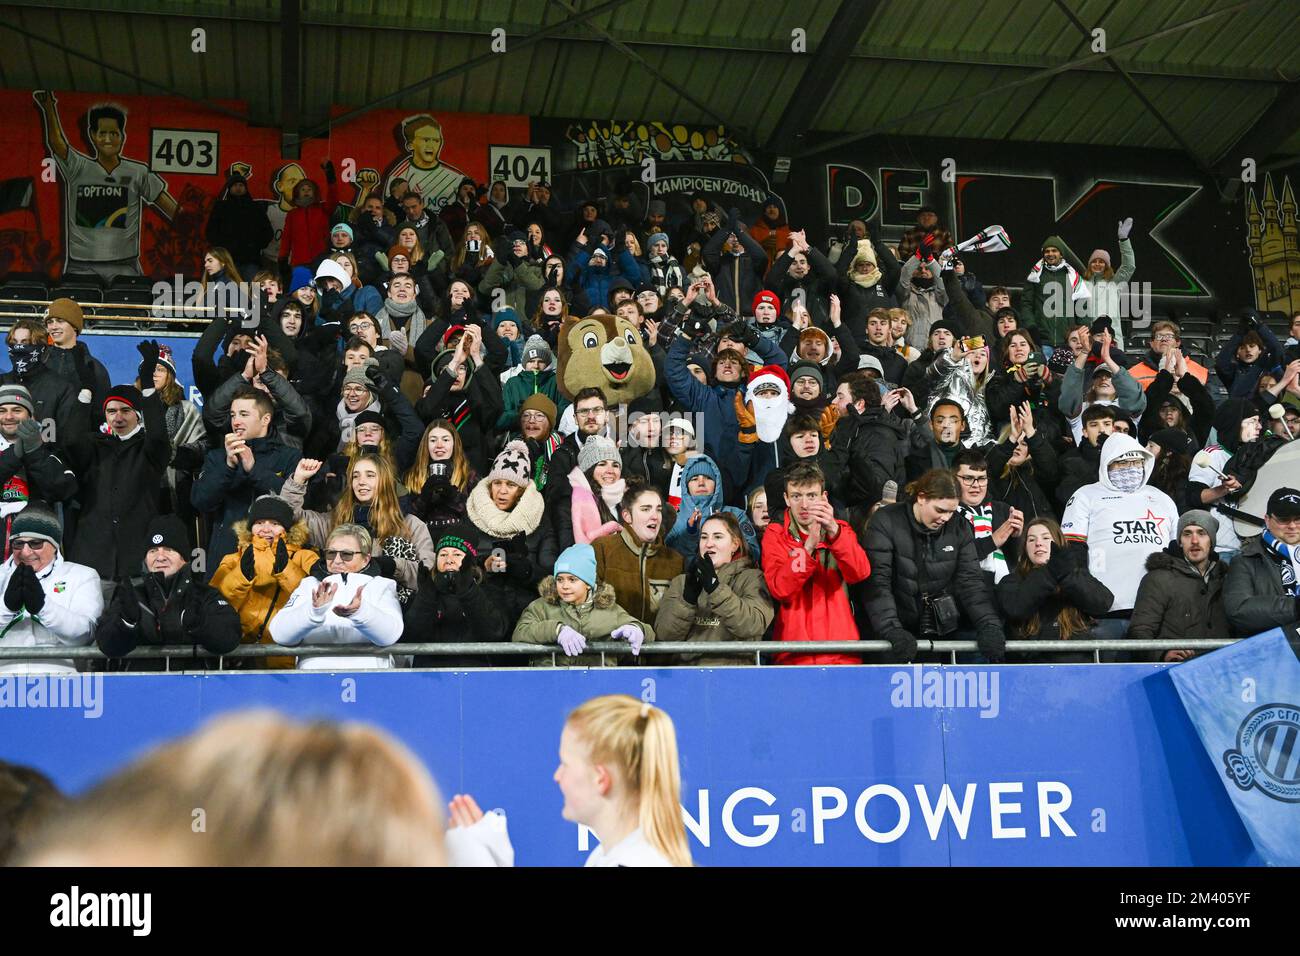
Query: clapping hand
323, 594
347, 610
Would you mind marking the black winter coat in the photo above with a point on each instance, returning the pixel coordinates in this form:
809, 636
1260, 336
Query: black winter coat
1174, 602
81, 370
1040, 594
1253, 596
241, 225
117, 506
454, 608
653, 465
529, 558
55, 399
868, 450
226, 493
1025, 487
181, 610
475, 423
47, 478
907, 561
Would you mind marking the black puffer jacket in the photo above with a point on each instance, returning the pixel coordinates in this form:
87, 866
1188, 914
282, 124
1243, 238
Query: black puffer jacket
454, 608
1041, 594
653, 465
868, 450
176, 610
1253, 596
907, 561
1174, 602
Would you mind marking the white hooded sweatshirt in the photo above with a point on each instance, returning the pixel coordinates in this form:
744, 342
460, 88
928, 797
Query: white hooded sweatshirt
1120, 529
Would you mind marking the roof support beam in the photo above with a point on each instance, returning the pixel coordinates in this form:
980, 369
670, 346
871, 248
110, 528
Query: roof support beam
1277, 124
512, 46
1038, 76
143, 81
825, 67
658, 74
1142, 97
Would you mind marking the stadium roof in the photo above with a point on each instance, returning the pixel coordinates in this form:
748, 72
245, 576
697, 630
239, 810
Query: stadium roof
1213, 78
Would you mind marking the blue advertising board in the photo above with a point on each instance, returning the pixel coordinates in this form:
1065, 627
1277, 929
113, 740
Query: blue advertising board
1076, 765
121, 359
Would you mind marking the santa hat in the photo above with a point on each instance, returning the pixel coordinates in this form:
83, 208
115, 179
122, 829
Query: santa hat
767, 375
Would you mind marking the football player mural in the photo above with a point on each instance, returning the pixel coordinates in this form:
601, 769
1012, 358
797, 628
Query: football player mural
104, 194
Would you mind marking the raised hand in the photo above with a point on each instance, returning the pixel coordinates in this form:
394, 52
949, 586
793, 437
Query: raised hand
306, 469
323, 594
463, 811
835, 310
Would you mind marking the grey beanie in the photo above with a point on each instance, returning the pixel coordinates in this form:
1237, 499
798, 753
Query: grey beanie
596, 449
357, 374
1201, 519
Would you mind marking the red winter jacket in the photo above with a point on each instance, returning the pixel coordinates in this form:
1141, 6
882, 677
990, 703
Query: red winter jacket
307, 228
812, 603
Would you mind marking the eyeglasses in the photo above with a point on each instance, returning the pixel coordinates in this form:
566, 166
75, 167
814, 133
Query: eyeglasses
355, 390
973, 479
590, 412
1163, 337
23, 544
344, 556
535, 418
356, 327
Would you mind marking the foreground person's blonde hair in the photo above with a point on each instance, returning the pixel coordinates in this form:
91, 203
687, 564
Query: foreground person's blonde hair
257, 789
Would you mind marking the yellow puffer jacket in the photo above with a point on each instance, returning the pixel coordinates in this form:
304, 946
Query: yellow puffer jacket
259, 600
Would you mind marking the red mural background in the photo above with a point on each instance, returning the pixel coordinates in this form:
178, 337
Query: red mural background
32, 197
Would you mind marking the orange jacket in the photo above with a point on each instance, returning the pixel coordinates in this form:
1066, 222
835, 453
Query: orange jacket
259, 600
774, 241
1144, 374
812, 602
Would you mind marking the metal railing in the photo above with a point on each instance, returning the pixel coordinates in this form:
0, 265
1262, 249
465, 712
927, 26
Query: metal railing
136, 313
614, 649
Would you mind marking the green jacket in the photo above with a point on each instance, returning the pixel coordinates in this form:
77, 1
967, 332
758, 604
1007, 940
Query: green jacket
518, 387
739, 609
540, 623
516, 280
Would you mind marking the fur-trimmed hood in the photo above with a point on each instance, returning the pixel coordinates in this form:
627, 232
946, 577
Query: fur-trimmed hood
605, 597
296, 537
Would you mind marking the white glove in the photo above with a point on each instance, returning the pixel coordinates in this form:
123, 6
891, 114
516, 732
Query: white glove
398, 341
1125, 227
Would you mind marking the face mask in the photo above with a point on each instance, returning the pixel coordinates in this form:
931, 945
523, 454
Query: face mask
1127, 478
25, 358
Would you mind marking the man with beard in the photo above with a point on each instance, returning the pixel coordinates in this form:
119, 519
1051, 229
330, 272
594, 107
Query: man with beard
920, 295
1055, 294
1261, 592
1181, 596
591, 415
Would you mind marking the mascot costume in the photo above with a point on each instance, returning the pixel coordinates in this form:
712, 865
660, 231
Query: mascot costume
606, 352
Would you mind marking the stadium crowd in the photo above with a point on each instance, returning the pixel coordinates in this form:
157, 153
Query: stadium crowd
861, 440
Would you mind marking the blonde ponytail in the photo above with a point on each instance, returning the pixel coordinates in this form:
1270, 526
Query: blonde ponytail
640, 740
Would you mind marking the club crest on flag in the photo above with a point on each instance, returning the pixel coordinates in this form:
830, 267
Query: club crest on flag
1267, 755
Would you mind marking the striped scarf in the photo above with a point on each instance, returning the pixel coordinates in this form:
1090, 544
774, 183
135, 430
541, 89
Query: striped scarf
1288, 557
822, 552
1078, 290
981, 520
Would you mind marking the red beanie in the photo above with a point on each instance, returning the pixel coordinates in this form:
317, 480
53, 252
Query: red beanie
768, 296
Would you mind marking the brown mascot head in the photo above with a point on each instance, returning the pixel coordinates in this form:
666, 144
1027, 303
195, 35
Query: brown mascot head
604, 351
